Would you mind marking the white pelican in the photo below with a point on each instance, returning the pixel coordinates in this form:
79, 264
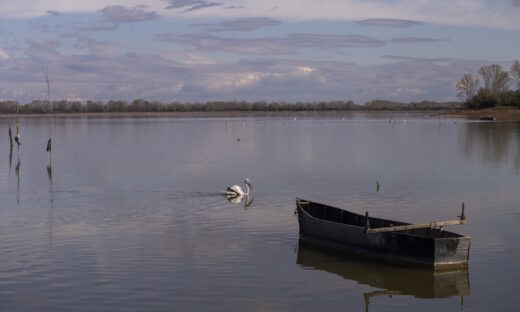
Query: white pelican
235, 190
235, 199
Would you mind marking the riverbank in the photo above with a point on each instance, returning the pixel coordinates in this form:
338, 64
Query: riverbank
212, 114
498, 113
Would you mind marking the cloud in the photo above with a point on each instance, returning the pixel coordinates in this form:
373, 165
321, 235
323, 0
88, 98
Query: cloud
197, 66
54, 13
306, 80
408, 40
403, 58
45, 28
42, 50
96, 72
233, 7
122, 14
96, 27
270, 45
191, 5
94, 48
475, 13
75, 31
389, 22
516, 2
242, 24
334, 41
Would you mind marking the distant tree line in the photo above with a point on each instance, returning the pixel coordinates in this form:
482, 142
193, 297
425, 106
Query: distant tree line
399, 106
113, 106
495, 90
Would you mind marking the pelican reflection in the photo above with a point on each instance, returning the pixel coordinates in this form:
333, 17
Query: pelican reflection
237, 199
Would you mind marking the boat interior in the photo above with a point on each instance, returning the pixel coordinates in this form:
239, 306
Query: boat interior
337, 215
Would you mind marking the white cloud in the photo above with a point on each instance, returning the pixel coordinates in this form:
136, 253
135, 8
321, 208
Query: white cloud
122, 14
232, 81
304, 70
3, 55
177, 87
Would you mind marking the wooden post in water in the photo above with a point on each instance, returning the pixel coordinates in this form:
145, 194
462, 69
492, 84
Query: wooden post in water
367, 223
49, 142
462, 215
17, 137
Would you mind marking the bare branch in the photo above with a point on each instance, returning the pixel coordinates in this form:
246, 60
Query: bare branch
467, 86
515, 72
495, 79
46, 77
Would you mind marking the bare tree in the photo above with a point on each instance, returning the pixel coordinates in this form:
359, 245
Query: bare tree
495, 79
467, 86
515, 72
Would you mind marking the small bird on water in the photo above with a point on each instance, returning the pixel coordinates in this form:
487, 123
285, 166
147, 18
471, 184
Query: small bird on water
236, 190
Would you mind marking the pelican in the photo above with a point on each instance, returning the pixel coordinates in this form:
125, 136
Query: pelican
235, 190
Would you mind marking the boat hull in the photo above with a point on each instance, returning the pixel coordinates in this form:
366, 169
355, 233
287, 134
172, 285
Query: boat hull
427, 247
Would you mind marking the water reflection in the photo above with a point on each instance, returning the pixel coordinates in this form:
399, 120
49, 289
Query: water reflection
237, 199
391, 279
10, 157
234, 199
497, 143
50, 216
17, 171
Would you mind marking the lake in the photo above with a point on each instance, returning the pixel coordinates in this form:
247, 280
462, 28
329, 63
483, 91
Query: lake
131, 219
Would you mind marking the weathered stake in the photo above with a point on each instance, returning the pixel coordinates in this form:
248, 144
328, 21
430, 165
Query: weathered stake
462, 215
17, 137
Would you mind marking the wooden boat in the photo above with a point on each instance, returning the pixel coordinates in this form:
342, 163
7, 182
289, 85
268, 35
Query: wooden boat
392, 241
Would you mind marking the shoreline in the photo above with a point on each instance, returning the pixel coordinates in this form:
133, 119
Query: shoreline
203, 114
500, 114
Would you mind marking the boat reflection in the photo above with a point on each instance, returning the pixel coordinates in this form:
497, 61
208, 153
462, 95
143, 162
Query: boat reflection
392, 279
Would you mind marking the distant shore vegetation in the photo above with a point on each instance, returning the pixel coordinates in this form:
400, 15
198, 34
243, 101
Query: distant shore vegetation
491, 87
138, 106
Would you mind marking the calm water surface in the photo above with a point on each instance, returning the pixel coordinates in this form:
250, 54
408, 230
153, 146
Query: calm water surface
130, 220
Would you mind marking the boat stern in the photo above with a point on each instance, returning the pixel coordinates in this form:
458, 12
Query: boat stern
452, 251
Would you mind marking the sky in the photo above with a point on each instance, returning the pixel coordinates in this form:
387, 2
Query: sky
203, 50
